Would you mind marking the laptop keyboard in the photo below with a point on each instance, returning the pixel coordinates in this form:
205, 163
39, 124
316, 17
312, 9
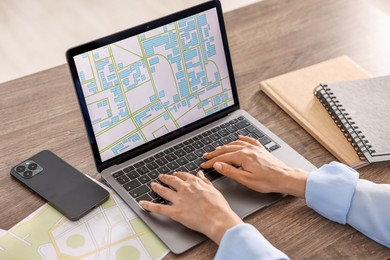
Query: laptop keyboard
186, 156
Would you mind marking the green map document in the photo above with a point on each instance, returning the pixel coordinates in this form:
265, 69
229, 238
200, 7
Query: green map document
111, 231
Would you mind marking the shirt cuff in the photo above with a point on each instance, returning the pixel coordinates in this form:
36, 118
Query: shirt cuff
330, 189
243, 241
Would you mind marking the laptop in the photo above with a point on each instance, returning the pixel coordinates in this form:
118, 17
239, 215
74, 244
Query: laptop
154, 98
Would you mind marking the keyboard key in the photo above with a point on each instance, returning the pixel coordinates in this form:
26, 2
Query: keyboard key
241, 118
159, 155
161, 161
163, 169
117, 174
171, 157
178, 146
159, 200
232, 128
191, 166
153, 195
215, 137
181, 169
191, 156
199, 152
274, 147
233, 136
173, 165
243, 132
122, 179
197, 145
180, 153
216, 129
254, 130
224, 125
132, 175
206, 141
152, 165
126, 170
131, 185
189, 148
208, 148
233, 121
223, 132
242, 124
139, 191
130, 168
148, 160
199, 161
225, 140
217, 144
142, 170
144, 197
139, 164
264, 140
144, 179
169, 150
153, 174
182, 161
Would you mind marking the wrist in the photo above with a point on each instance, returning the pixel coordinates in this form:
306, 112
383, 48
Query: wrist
218, 229
295, 182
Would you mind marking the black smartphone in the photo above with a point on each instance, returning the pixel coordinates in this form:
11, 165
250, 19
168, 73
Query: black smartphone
65, 188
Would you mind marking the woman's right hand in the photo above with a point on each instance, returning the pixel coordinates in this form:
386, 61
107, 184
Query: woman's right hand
257, 168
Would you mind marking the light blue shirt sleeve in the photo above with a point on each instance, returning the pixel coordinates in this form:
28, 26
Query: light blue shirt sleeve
244, 241
336, 192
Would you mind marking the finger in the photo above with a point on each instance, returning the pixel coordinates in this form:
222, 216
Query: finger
232, 172
200, 174
249, 140
234, 158
183, 175
161, 209
228, 148
171, 180
164, 192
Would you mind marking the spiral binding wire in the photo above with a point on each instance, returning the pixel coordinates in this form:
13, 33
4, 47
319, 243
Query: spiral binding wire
343, 121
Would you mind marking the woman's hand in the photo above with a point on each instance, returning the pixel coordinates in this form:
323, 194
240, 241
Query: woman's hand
195, 203
257, 168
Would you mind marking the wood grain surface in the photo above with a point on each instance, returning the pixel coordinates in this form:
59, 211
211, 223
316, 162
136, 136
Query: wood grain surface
266, 39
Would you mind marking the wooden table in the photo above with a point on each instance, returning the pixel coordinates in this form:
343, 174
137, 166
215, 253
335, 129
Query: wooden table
269, 38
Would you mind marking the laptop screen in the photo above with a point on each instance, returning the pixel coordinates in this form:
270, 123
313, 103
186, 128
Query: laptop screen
145, 86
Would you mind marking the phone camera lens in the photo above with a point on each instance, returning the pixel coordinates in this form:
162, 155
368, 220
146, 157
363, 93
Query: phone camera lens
32, 166
27, 174
20, 168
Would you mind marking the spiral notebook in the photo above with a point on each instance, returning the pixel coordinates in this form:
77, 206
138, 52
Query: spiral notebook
360, 108
293, 92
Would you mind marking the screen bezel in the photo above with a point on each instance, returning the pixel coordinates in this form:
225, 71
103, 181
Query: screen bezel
132, 32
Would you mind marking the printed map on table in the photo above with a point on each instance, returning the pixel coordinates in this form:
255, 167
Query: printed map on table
148, 85
111, 231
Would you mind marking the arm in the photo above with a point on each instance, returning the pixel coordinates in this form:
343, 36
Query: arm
195, 203
336, 192
244, 241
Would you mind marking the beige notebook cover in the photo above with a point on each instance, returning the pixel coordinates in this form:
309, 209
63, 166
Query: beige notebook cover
293, 92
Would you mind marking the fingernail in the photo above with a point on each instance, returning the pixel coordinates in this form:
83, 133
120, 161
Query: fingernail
152, 184
200, 172
142, 203
205, 154
217, 166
